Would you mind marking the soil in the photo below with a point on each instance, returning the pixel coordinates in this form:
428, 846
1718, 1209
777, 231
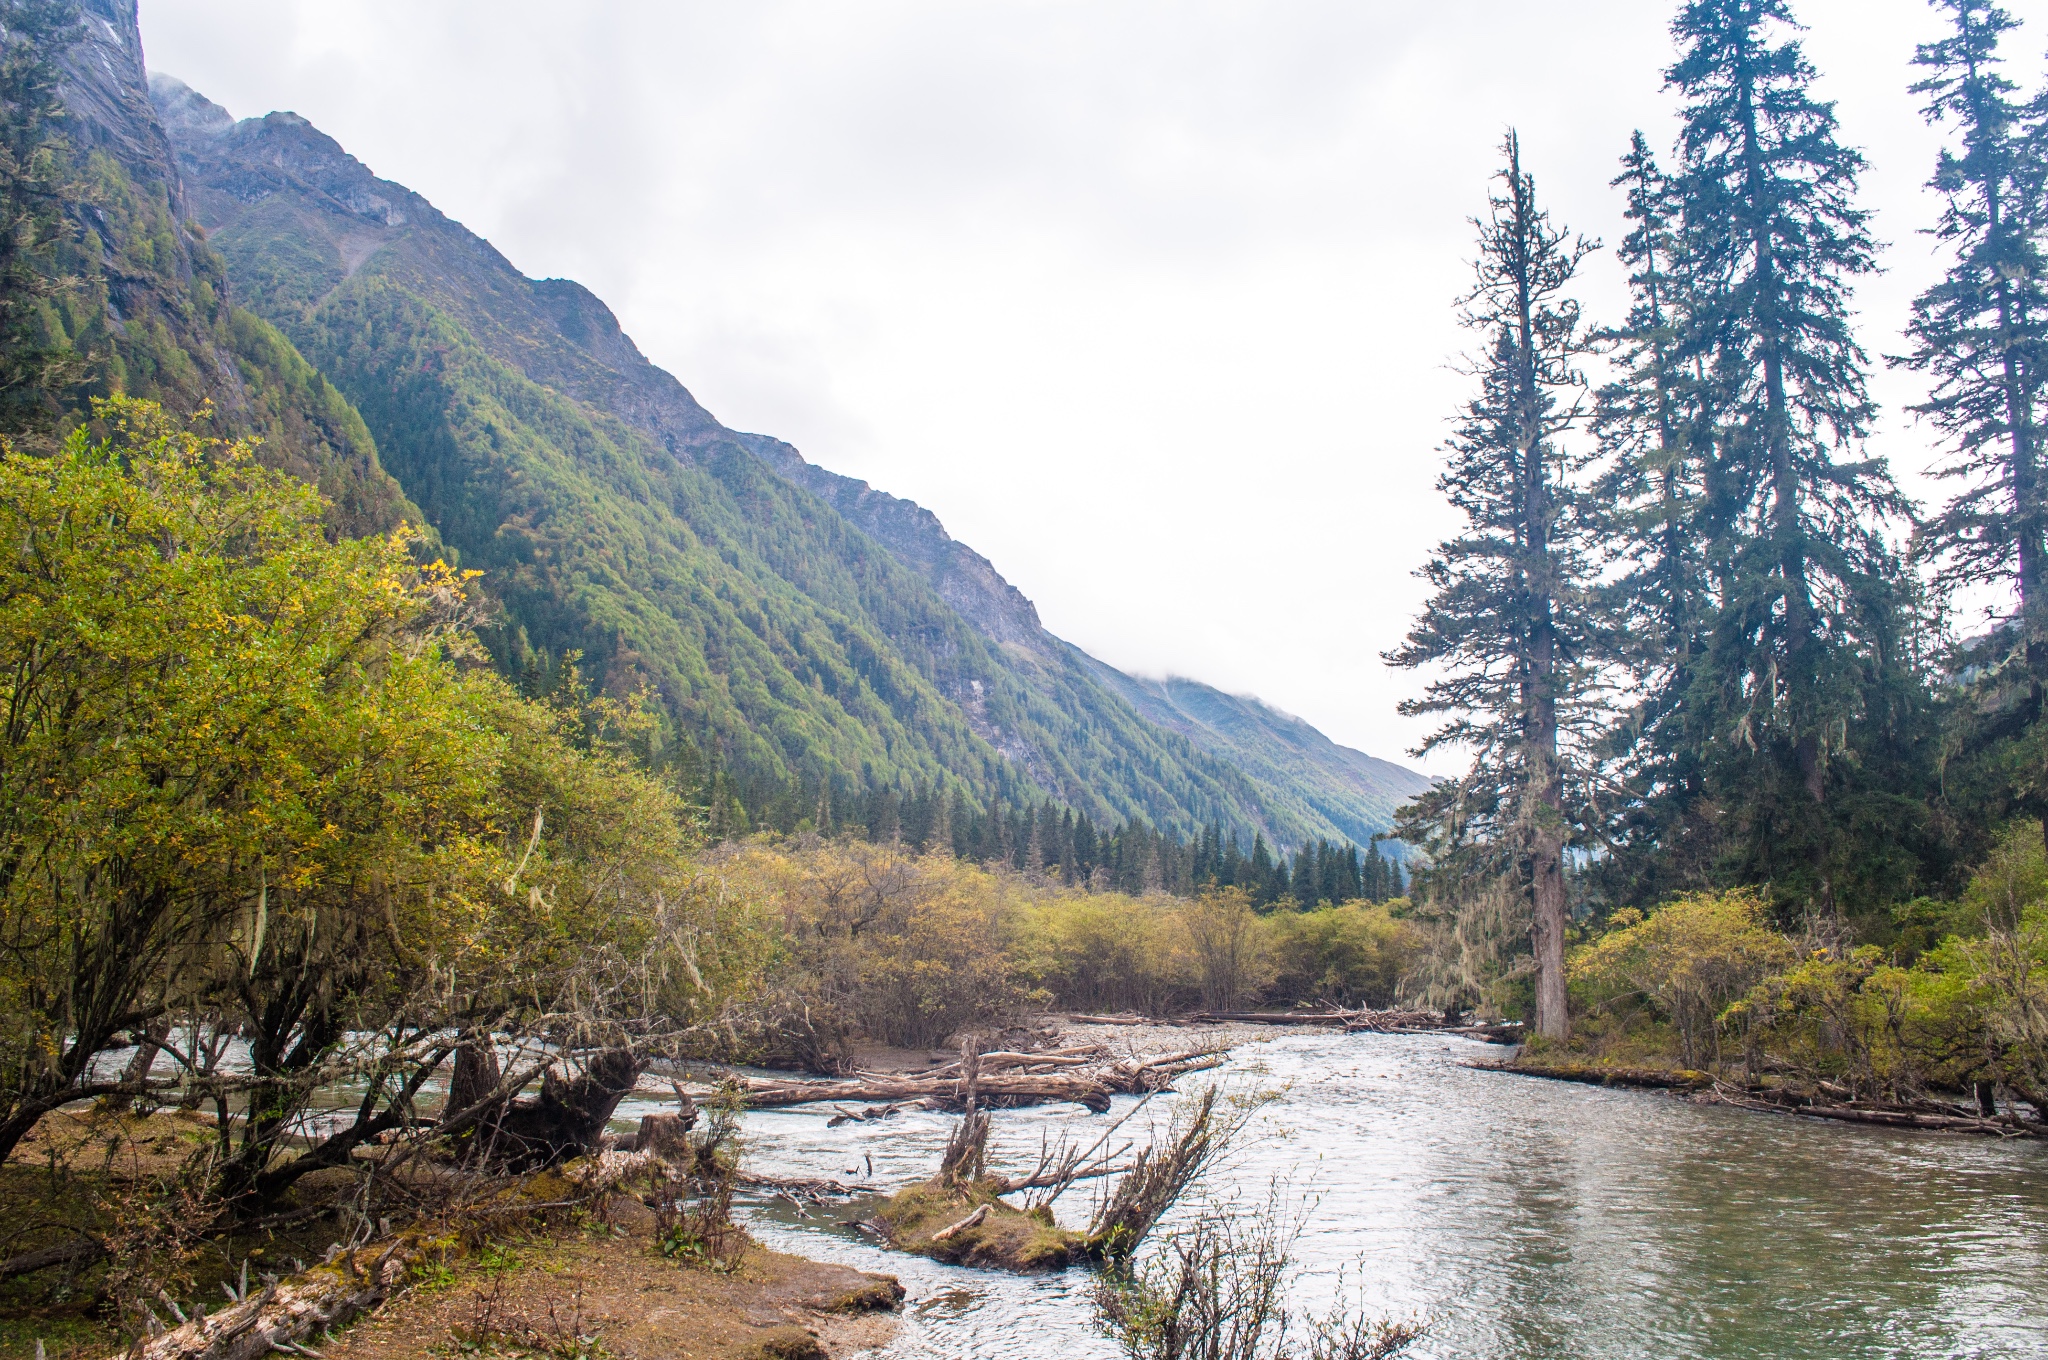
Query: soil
537, 1294
606, 1295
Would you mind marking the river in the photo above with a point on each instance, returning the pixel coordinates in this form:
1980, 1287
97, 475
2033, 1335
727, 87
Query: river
1519, 1217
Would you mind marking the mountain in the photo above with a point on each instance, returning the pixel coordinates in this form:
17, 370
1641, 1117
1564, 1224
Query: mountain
152, 302
1302, 778
1294, 765
812, 632
614, 516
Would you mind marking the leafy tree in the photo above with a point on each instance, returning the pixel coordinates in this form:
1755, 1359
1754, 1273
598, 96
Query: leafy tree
1982, 335
1510, 621
188, 671
1809, 634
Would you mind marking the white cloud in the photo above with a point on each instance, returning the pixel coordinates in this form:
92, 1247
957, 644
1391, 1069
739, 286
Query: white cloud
1150, 302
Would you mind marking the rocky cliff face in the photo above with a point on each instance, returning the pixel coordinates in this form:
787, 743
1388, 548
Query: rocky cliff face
154, 307
106, 87
963, 577
106, 93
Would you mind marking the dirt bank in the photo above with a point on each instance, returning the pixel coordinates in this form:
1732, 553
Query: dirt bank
598, 1294
588, 1280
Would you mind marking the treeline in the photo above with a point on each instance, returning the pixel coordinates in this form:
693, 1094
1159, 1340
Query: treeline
1040, 839
1696, 634
877, 943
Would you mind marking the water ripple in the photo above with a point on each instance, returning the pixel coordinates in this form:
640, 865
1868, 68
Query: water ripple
1528, 1218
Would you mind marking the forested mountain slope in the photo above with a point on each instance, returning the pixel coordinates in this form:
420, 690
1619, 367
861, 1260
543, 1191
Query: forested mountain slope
150, 313
1302, 777
614, 516
799, 635
1294, 764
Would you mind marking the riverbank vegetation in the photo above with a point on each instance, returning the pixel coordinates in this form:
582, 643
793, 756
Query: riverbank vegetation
1748, 775
875, 942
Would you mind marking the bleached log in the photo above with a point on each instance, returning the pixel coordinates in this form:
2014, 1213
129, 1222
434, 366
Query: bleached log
972, 1220
285, 1313
1091, 1087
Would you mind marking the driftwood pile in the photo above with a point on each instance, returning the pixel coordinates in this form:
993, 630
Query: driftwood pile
1930, 1116
1335, 1017
1085, 1075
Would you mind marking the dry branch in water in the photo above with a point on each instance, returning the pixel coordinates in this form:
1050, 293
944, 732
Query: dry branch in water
1159, 1177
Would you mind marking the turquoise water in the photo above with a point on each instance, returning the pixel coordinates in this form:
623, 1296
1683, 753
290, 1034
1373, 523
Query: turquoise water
1520, 1217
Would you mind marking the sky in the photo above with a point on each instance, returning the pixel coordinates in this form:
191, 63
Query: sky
1150, 301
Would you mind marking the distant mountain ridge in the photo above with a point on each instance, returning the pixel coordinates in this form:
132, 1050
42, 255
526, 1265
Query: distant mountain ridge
805, 624
1291, 763
1286, 756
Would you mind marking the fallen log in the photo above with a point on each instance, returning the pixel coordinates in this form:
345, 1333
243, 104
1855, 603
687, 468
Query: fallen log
1001, 1090
811, 1189
285, 1313
1268, 1017
1432, 1021
1080, 1056
1133, 1077
973, 1220
80, 1251
1892, 1119
1006, 1091
1637, 1078
846, 1116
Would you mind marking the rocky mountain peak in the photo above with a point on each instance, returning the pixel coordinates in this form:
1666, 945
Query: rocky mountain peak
184, 111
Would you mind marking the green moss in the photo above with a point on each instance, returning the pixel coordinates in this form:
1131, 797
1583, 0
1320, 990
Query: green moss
1008, 1239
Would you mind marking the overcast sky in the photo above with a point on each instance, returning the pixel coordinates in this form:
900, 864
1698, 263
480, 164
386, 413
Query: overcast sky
1149, 301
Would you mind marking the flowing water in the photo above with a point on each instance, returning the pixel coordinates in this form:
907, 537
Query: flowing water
1520, 1217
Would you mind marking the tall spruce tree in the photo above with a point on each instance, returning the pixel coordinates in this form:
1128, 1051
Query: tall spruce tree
1508, 623
1654, 421
1981, 334
1807, 632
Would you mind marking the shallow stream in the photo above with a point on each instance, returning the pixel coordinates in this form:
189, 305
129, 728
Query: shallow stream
1520, 1217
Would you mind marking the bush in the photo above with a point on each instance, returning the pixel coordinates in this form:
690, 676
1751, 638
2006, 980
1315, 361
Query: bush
1685, 962
877, 942
1107, 952
1354, 955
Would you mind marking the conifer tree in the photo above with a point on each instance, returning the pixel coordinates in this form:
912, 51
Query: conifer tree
1306, 878
1508, 622
1374, 873
1655, 426
1981, 334
1808, 613
960, 824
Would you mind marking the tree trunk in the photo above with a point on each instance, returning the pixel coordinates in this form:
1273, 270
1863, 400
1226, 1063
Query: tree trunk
1553, 1015
284, 1314
476, 1075
568, 1116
